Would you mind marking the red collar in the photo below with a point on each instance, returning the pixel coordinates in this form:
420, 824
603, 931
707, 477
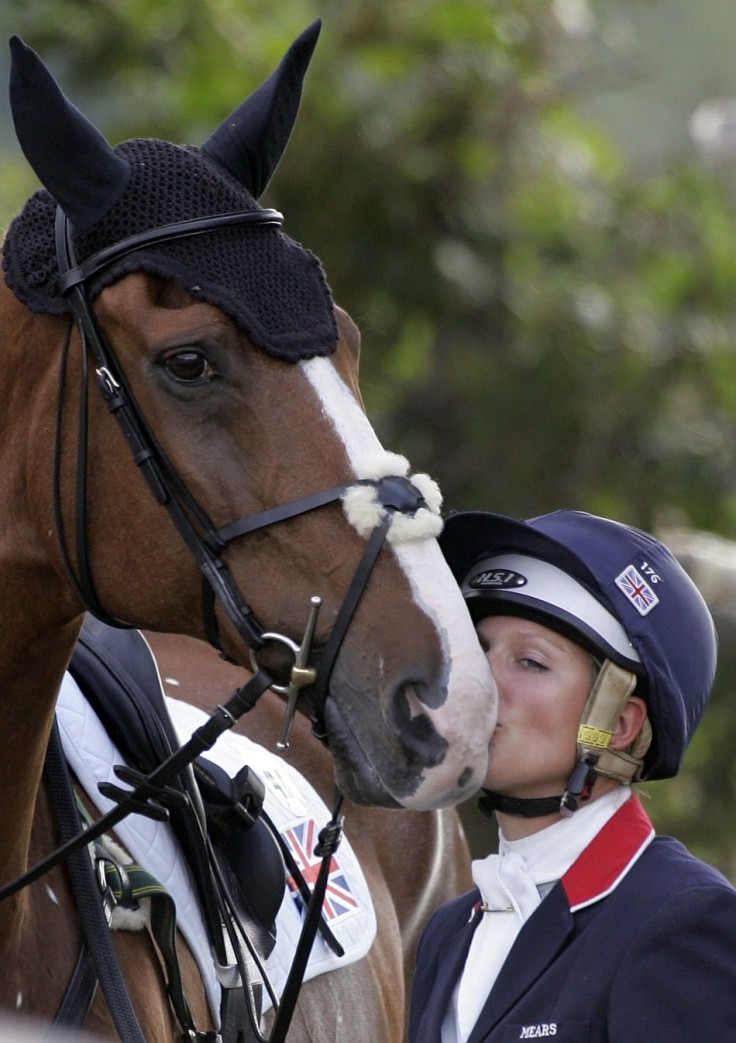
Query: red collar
609, 856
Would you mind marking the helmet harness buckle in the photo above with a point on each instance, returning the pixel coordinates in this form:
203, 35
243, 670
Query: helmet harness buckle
606, 701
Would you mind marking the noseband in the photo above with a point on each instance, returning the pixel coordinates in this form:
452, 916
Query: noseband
206, 542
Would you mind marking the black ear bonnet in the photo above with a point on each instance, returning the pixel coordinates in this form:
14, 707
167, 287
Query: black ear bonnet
272, 287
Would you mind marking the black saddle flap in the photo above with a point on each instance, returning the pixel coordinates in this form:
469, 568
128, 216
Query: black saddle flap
256, 870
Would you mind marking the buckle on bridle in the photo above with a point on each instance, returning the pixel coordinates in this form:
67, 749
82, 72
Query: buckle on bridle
301, 674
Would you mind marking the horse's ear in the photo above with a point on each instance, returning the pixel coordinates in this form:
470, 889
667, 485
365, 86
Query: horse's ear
68, 154
251, 141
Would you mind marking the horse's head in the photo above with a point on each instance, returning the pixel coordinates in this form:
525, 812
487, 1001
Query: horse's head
234, 383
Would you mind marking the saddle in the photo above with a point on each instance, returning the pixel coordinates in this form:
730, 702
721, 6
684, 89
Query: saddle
252, 850
236, 860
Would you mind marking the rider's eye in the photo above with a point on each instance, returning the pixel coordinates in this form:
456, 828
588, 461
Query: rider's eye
189, 367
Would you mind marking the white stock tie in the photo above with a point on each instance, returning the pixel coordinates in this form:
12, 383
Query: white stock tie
509, 897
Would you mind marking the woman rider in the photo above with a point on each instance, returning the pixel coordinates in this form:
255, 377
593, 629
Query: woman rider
584, 926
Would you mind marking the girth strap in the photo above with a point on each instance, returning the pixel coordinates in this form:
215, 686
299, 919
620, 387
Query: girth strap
134, 882
126, 886
80, 992
87, 896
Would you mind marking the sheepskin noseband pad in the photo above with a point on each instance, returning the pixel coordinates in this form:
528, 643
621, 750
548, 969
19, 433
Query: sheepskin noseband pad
272, 287
413, 503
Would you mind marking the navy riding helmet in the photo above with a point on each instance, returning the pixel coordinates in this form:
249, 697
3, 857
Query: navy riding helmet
666, 633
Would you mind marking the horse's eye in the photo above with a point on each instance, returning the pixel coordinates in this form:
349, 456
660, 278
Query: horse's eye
189, 367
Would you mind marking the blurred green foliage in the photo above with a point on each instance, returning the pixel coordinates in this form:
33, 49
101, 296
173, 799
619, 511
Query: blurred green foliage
543, 326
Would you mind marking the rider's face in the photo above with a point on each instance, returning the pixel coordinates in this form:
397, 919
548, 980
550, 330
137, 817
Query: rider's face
543, 683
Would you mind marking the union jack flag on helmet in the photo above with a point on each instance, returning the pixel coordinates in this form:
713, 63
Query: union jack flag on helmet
637, 590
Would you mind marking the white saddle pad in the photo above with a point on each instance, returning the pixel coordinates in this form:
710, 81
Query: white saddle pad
291, 802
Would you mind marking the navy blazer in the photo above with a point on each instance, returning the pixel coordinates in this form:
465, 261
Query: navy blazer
635, 944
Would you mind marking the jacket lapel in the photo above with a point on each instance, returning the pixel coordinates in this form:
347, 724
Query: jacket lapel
538, 943
454, 952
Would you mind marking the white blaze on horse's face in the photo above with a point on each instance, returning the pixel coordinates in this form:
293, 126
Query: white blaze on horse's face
459, 709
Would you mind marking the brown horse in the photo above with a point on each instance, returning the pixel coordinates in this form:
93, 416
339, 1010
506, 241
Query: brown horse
412, 863
229, 387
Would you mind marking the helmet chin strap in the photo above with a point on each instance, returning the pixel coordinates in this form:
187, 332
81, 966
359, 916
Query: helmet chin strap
521, 807
608, 696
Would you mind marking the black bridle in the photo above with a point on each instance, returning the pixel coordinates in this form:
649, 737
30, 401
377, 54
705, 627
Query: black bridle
205, 541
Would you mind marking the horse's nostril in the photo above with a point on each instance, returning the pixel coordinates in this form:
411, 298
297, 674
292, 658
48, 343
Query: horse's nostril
415, 730
414, 700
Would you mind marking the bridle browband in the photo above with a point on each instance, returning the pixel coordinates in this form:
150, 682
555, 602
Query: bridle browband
205, 541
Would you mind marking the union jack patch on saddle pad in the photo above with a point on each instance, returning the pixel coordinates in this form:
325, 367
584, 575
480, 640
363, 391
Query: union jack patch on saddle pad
339, 898
637, 590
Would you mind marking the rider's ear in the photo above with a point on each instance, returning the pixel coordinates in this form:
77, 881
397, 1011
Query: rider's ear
630, 723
